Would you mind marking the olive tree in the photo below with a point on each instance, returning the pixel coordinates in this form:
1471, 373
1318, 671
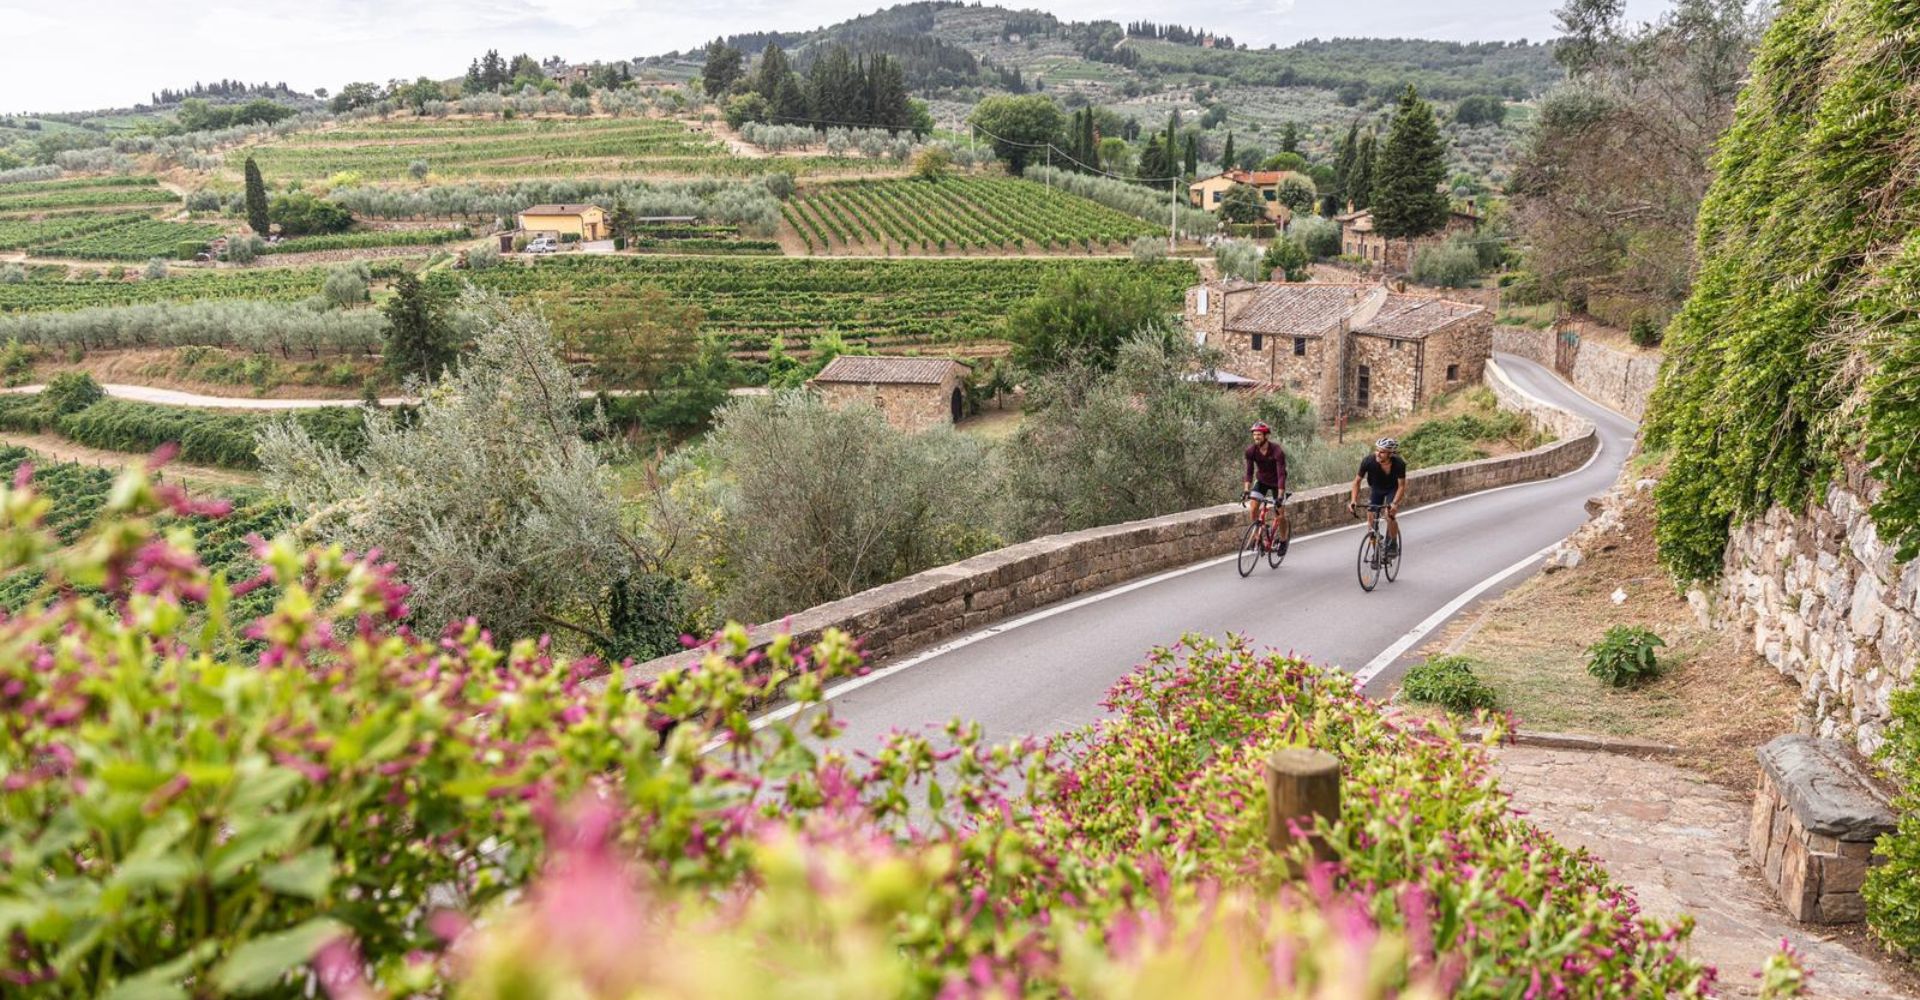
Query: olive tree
488, 498
798, 503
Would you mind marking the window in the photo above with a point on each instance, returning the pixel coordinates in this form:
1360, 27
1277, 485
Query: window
1216, 197
1259, 341
1299, 347
1396, 343
1270, 194
1453, 373
1363, 388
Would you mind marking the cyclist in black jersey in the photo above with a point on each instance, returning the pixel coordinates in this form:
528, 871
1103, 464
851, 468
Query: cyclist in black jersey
1385, 474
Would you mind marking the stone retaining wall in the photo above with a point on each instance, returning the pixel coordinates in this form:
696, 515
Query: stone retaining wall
936, 604
1826, 605
1815, 821
1619, 379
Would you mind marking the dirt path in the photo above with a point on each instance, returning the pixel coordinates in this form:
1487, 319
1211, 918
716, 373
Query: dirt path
63, 450
1679, 843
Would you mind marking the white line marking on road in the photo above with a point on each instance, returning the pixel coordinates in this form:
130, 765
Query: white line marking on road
788, 711
1391, 653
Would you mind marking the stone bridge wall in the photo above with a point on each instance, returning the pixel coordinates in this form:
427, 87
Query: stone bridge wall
1621, 380
940, 603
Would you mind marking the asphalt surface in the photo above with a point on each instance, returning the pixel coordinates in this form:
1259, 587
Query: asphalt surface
1049, 670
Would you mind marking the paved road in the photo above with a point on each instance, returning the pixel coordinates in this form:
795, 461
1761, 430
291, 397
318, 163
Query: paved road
1050, 670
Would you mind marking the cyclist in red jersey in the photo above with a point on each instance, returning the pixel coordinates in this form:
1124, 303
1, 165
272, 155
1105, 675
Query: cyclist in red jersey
1267, 476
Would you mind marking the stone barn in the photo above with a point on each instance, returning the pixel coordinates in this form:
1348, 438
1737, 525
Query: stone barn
913, 393
1355, 349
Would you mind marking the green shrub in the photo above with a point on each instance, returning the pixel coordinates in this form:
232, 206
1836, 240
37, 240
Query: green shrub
188, 249
1459, 438
1644, 331
205, 437
1625, 656
16, 363
1447, 681
1892, 891
71, 392
1449, 265
302, 214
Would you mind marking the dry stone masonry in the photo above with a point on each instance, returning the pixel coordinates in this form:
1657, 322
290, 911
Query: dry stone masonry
936, 604
1827, 605
1622, 380
1815, 819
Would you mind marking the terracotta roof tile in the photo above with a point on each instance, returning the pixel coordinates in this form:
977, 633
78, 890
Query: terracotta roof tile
1312, 309
898, 371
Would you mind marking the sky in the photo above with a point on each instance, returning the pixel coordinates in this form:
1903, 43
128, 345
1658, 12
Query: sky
69, 55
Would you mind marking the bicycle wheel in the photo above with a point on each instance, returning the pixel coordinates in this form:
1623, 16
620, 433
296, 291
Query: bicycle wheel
1278, 550
1392, 563
1250, 550
1369, 563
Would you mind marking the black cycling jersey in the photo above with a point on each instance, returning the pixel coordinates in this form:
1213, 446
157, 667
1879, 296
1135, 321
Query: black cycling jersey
1384, 480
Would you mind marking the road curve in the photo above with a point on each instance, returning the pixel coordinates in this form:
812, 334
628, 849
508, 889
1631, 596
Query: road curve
1048, 671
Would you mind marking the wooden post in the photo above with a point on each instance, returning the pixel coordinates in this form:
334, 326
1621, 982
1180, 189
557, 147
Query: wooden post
1301, 785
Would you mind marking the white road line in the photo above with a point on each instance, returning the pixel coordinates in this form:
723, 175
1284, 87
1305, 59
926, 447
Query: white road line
845, 687
1433, 621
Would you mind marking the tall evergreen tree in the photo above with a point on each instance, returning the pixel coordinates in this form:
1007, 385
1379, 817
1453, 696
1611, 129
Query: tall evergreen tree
886, 86
1226, 153
256, 198
774, 70
834, 89
722, 70
1343, 159
1290, 138
1192, 162
1407, 200
1360, 178
790, 103
419, 339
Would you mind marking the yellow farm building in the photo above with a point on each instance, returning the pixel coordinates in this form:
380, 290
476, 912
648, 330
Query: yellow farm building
589, 222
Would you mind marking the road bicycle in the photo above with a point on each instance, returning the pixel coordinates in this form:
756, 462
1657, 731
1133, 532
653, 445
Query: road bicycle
1378, 553
1264, 537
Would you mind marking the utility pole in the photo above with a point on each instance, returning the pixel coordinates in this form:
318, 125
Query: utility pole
1173, 213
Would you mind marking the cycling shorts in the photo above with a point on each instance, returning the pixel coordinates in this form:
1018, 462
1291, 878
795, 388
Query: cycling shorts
1265, 490
1380, 498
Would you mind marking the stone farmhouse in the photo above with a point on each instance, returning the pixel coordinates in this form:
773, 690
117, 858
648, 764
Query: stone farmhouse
1356, 350
1208, 192
1358, 239
914, 394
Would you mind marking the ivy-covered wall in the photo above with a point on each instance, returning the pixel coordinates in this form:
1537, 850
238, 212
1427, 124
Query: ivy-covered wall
1800, 346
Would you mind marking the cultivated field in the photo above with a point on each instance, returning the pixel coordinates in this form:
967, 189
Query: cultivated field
883, 303
43, 293
954, 215
514, 149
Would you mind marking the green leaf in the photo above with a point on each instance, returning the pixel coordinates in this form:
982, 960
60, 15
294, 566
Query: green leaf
263, 788
252, 839
264, 961
307, 874
162, 982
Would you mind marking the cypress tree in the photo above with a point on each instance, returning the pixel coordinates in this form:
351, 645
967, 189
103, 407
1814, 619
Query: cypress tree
1343, 161
256, 198
419, 340
1226, 154
1360, 178
774, 70
1193, 156
1407, 200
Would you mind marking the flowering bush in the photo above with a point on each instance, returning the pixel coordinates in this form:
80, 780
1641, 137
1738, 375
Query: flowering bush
192, 806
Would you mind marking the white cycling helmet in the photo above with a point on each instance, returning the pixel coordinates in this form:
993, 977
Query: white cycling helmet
1387, 445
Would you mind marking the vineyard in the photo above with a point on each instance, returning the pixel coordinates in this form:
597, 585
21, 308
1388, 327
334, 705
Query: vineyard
78, 493
278, 284
389, 150
136, 238
964, 214
365, 241
883, 303
18, 199
21, 234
